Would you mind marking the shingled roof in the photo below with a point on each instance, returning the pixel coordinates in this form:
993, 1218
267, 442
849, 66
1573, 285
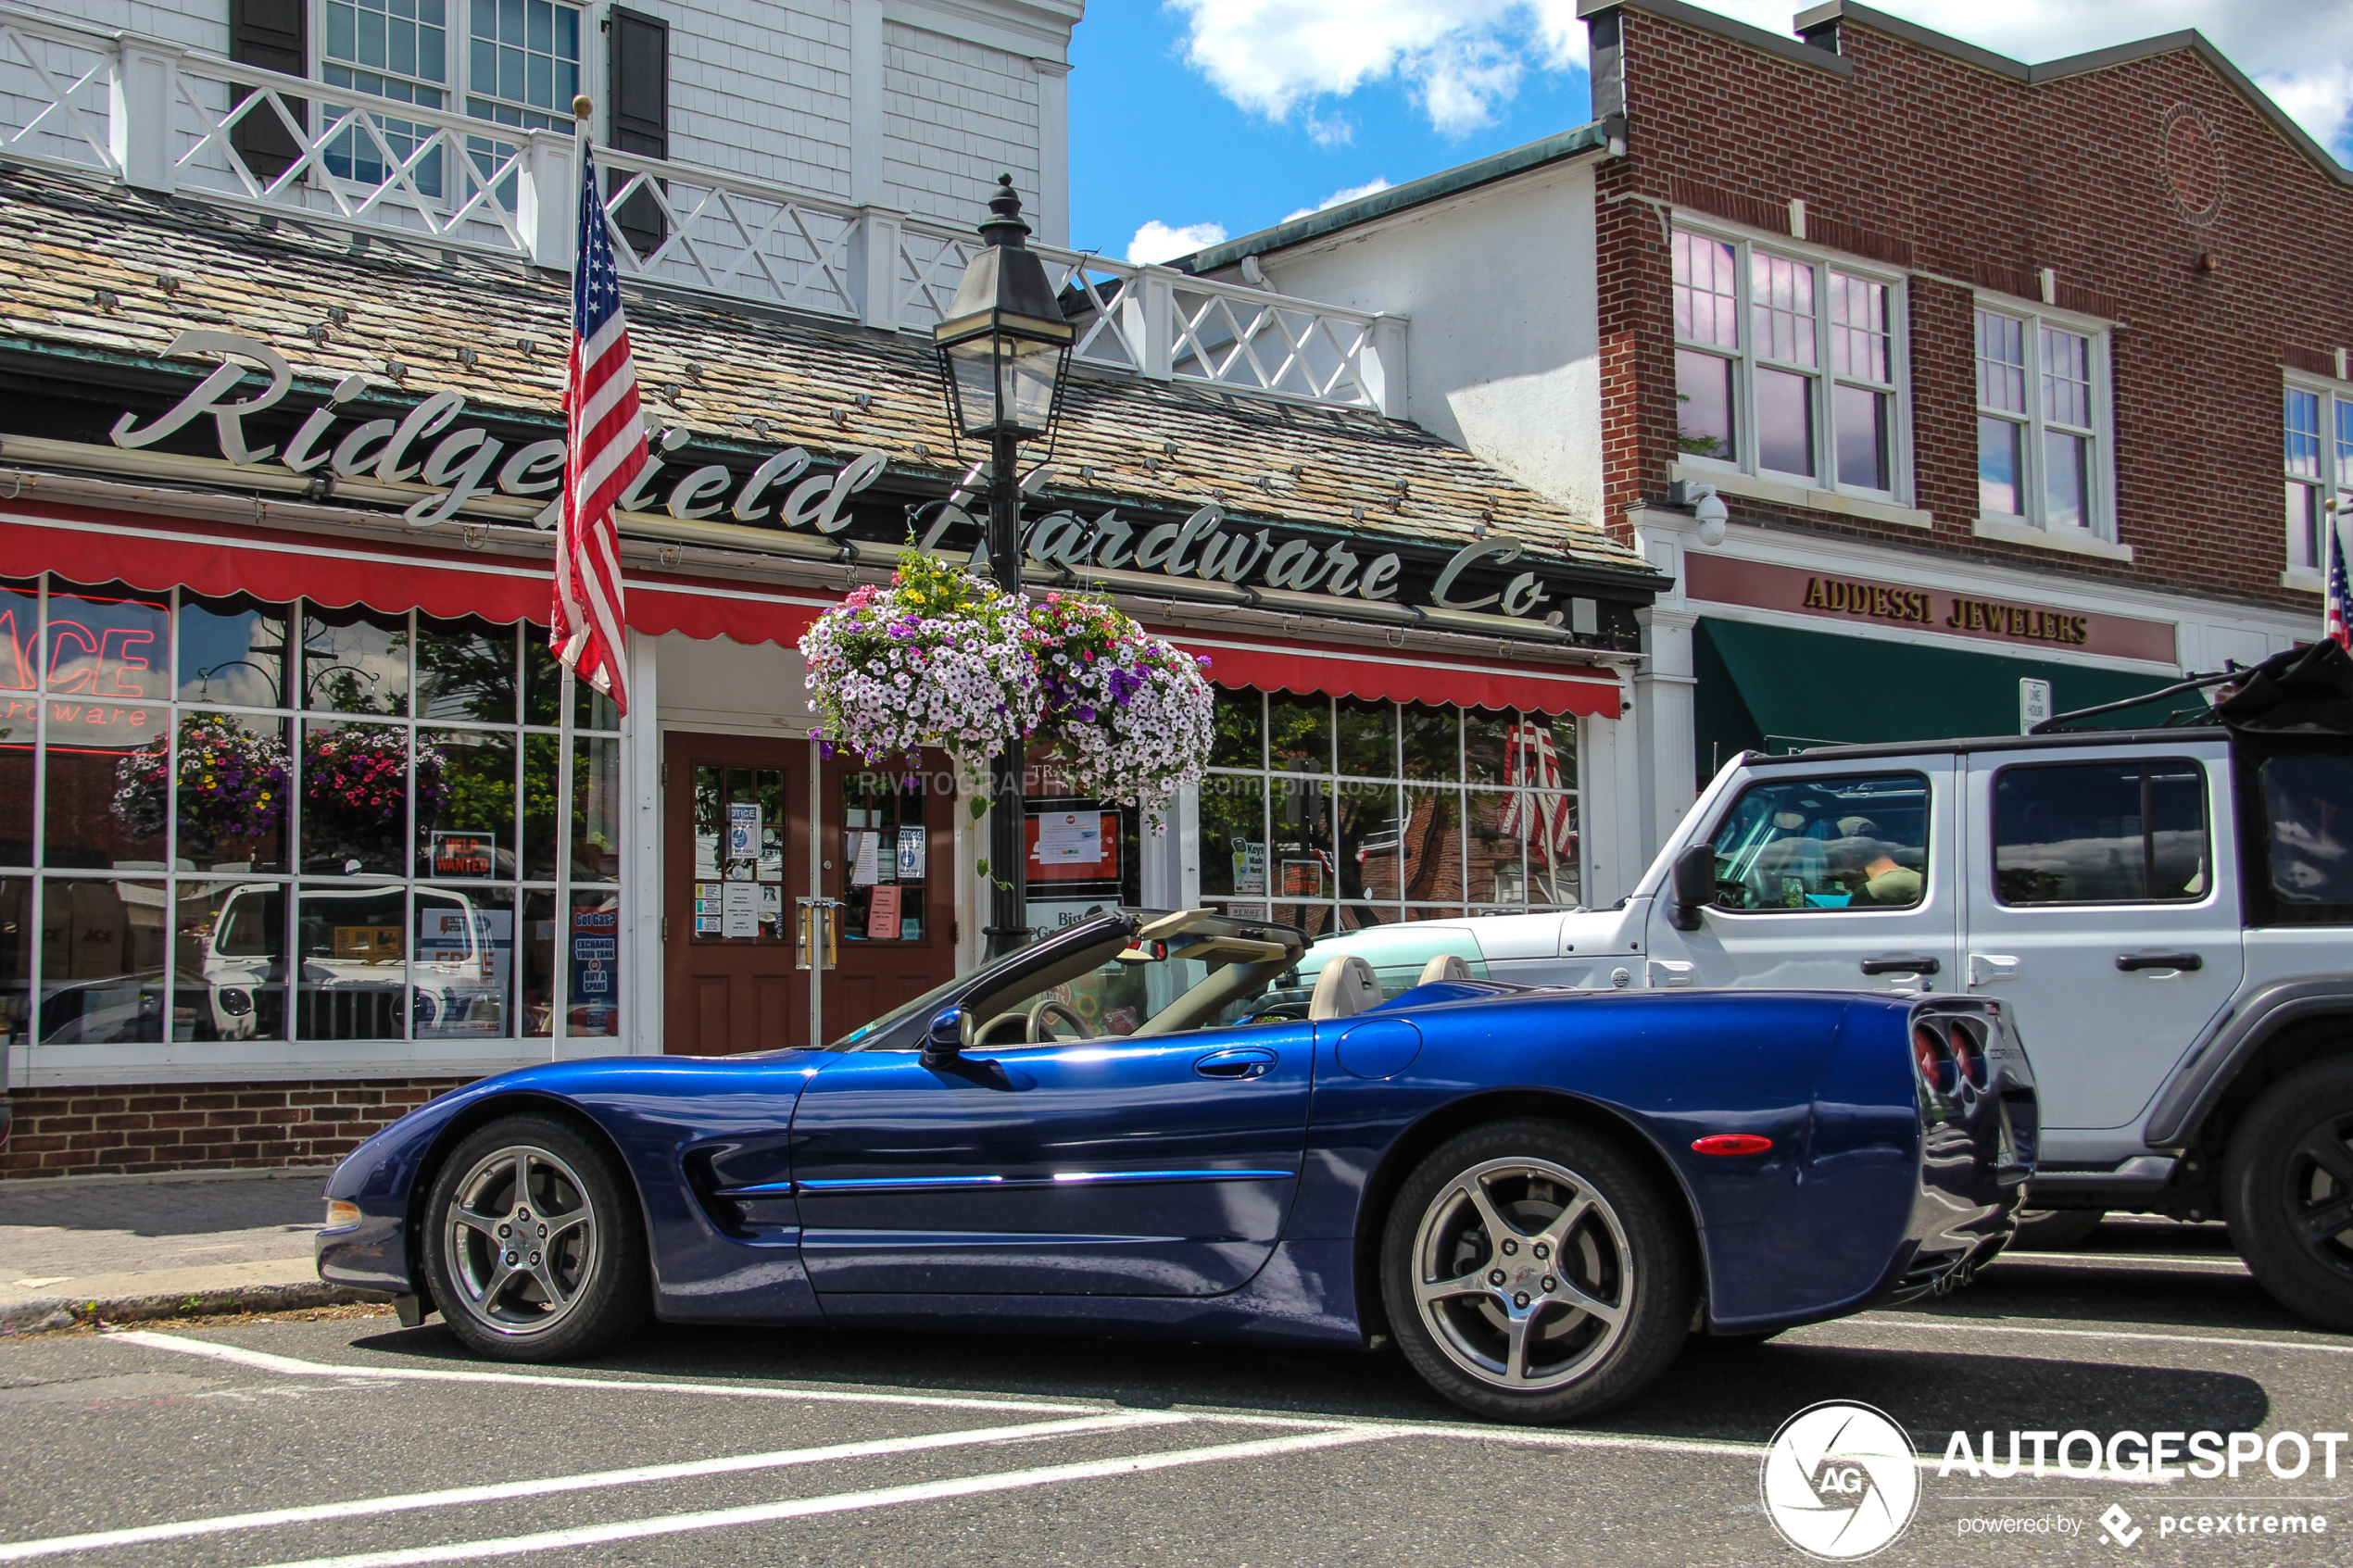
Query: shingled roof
87, 267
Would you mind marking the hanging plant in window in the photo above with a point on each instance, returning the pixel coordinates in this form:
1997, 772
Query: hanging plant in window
354, 782
232, 784
1129, 714
939, 658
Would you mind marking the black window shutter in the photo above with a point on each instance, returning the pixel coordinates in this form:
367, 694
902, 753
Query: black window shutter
273, 34
638, 50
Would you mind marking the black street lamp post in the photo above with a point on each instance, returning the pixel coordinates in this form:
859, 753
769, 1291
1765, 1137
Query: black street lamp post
1004, 349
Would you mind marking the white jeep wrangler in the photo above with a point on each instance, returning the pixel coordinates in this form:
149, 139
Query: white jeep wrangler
2168, 913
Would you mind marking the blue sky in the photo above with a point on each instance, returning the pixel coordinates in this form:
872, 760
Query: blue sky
1221, 117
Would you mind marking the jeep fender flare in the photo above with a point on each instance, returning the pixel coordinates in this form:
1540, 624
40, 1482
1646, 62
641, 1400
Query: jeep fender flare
2213, 1066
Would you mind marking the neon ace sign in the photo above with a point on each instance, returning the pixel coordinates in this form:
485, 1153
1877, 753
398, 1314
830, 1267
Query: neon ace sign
459, 458
108, 661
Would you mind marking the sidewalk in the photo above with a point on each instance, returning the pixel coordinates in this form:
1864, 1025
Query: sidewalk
144, 1247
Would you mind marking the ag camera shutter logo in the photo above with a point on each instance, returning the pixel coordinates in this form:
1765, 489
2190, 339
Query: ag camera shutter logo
1839, 1481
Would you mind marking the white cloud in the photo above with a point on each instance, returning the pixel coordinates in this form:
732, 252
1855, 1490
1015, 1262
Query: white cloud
1462, 60
1347, 194
1157, 241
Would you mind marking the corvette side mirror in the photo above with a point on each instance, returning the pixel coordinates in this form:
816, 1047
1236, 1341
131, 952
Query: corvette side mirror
944, 1041
1691, 887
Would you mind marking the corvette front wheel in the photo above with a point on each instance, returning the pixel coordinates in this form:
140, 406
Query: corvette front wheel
1533, 1273
535, 1245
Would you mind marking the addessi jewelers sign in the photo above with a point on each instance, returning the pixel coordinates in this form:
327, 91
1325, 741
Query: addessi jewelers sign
439, 461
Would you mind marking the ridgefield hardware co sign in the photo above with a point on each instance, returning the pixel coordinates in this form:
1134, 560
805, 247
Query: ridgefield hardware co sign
443, 462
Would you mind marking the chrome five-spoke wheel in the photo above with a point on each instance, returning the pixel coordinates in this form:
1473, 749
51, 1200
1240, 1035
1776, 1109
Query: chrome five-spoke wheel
535, 1246
1534, 1270
1523, 1272
522, 1240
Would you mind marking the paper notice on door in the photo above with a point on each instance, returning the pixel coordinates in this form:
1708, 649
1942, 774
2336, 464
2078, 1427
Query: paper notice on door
881, 916
743, 838
865, 868
739, 911
1070, 838
911, 854
772, 910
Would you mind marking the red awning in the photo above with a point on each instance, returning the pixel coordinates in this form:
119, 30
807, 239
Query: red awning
1377, 673
95, 547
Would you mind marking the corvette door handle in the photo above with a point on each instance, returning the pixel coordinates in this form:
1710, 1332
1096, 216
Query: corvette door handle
1902, 963
2128, 962
1246, 1063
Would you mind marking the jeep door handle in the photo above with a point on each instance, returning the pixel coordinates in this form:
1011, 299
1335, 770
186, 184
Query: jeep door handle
1986, 968
1249, 1062
2128, 962
1902, 963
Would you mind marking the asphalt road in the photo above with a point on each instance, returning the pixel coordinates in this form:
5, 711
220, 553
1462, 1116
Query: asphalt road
351, 1441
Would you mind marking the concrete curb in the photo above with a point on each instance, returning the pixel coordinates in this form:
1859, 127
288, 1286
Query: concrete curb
45, 1314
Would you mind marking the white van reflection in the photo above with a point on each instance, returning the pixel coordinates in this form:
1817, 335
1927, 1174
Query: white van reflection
358, 977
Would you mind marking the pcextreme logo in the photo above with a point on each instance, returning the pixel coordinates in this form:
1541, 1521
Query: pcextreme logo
1840, 1482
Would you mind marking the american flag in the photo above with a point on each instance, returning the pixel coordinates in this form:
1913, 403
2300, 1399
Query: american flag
604, 451
2334, 618
1531, 764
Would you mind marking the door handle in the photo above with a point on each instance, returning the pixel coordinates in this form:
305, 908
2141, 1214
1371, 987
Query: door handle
1902, 963
1671, 973
1986, 968
1247, 1063
2128, 962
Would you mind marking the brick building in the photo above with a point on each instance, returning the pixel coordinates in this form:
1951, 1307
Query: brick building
2002, 371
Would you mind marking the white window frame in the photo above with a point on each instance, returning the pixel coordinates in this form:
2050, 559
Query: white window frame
2335, 482
2100, 505
1745, 361
458, 86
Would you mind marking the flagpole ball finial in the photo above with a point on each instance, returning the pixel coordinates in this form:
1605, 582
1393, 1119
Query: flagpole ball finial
583, 106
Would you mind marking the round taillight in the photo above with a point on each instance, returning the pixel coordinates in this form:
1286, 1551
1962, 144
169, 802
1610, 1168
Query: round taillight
1968, 1053
1934, 1057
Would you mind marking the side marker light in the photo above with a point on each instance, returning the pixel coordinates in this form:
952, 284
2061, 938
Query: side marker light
1730, 1144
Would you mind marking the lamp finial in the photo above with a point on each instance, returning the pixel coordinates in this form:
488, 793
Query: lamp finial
1004, 225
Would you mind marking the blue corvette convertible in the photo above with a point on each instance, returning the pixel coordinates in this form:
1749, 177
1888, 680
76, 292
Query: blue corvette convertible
1196, 1125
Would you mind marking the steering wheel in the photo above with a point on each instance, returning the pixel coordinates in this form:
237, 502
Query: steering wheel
1044, 1006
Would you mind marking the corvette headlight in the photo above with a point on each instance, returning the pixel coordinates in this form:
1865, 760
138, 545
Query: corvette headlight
341, 1216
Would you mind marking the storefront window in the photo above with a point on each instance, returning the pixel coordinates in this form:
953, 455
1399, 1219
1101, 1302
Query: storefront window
243, 834
1354, 813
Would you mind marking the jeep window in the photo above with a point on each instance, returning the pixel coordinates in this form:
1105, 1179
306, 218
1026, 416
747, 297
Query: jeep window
2308, 812
2101, 833
1825, 844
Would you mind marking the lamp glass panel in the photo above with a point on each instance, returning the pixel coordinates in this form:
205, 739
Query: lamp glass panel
1029, 370
974, 365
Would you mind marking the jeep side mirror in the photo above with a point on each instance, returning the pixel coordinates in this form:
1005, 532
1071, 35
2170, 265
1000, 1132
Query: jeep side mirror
944, 1041
1691, 887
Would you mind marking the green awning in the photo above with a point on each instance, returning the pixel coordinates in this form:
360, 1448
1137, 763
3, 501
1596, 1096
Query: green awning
1768, 688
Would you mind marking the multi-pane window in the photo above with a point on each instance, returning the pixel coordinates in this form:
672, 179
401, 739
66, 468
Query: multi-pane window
1342, 815
231, 821
2319, 428
517, 63
2039, 387
1785, 367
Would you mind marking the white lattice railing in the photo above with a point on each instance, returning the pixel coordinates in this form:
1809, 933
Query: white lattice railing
165, 118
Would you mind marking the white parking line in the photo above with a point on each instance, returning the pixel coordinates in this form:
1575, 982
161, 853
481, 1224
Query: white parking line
1911, 1321
264, 1361
2124, 1259
844, 1502
17, 1551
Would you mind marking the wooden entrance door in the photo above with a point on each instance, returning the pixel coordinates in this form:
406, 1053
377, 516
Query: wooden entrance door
734, 866
885, 838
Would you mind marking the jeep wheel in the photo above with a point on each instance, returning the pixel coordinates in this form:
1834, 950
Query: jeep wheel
2287, 1191
535, 1245
1533, 1273
2054, 1230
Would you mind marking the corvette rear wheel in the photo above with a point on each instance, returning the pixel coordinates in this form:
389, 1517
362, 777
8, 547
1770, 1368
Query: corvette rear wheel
534, 1243
1533, 1273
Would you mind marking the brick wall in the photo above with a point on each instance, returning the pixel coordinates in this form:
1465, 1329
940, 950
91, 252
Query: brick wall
1976, 178
132, 1129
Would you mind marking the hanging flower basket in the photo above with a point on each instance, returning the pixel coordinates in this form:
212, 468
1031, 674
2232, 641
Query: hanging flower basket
232, 785
354, 782
937, 658
1130, 714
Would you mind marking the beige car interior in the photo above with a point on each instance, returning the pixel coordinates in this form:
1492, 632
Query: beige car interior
1242, 966
1445, 966
1346, 987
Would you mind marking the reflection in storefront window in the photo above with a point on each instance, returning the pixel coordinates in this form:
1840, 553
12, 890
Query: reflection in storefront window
102, 962
1355, 842
884, 850
433, 853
